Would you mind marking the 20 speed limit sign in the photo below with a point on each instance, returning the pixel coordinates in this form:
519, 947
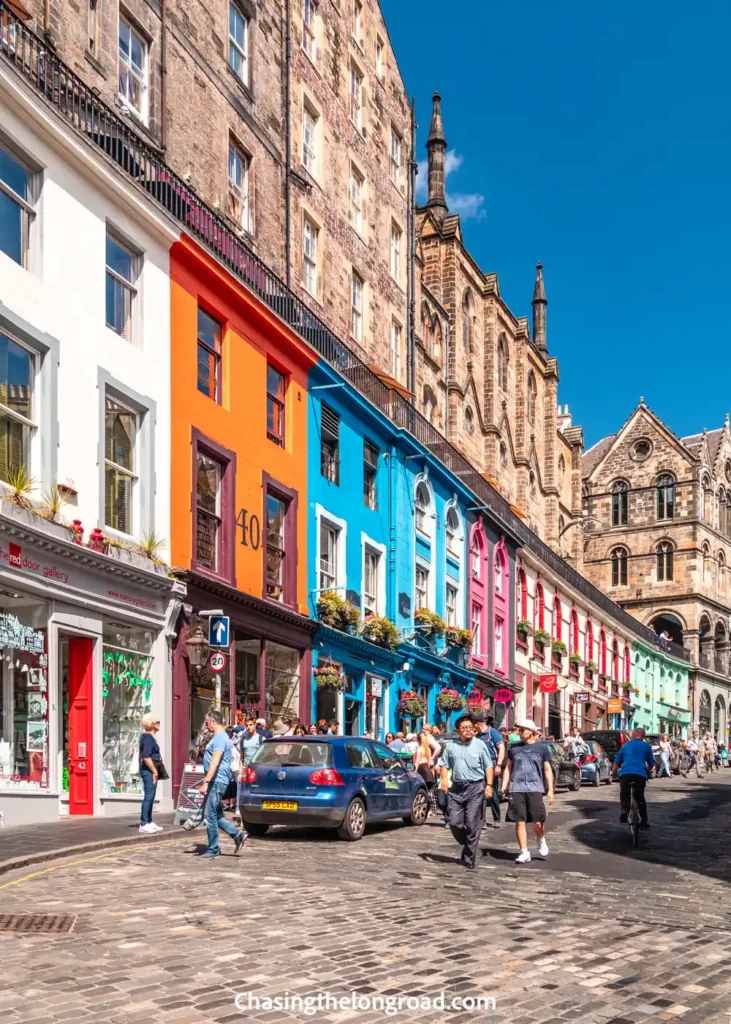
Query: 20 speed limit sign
217, 662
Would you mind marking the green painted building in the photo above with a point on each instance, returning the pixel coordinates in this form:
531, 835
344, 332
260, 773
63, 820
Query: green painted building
660, 696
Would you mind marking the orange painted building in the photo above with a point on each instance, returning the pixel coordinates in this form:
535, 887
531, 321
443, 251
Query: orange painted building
239, 500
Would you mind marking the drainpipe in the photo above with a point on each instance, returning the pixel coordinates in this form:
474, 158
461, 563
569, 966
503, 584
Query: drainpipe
47, 21
446, 380
164, 76
287, 146
392, 494
411, 214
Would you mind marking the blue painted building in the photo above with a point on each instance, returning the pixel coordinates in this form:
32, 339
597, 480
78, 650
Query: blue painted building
388, 536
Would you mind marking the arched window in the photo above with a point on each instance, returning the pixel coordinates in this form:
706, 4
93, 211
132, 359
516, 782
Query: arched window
429, 404
706, 560
664, 561
557, 618
503, 455
499, 570
469, 421
619, 567
467, 319
603, 652
531, 398
437, 338
539, 607
727, 531
521, 593
574, 632
615, 660
561, 525
627, 666
502, 363
589, 642
620, 494
426, 334
421, 508
704, 712
721, 511
452, 531
706, 500
721, 571
665, 496
476, 554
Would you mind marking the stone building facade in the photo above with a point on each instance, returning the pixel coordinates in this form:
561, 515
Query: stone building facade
658, 541
209, 89
484, 380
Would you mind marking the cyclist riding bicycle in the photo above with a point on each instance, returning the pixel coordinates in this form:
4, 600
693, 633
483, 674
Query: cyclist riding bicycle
634, 761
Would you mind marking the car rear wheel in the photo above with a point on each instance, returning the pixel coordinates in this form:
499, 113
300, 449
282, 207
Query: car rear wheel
255, 828
419, 809
575, 786
354, 822
608, 779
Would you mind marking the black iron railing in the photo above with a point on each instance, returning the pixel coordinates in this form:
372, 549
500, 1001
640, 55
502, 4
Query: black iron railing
107, 130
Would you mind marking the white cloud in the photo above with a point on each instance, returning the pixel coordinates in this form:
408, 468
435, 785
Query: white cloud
469, 205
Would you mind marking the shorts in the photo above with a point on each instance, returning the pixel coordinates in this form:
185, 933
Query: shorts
527, 807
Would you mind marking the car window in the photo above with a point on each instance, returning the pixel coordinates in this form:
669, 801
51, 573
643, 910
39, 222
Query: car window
598, 749
291, 753
386, 758
359, 755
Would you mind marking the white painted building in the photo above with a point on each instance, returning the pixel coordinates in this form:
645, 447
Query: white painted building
593, 665
85, 405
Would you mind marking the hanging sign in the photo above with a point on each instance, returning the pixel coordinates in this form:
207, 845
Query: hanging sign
377, 687
217, 662
548, 684
614, 706
503, 696
582, 698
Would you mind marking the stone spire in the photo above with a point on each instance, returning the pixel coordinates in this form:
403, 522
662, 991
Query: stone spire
436, 145
539, 311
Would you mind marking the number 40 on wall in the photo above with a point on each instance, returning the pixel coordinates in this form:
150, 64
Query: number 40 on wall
250, 529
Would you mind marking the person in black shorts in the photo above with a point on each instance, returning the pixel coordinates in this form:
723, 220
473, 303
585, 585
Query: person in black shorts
527, 777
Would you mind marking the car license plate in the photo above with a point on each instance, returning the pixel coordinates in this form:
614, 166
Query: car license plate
279, 805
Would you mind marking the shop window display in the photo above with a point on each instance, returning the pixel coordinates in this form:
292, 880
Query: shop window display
24, 695
126, 696
282, 681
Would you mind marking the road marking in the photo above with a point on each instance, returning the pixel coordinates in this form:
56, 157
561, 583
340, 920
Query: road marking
84, 860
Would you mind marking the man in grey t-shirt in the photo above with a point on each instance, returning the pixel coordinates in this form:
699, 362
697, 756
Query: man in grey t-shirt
527, 777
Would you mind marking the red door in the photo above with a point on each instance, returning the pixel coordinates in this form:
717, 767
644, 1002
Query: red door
81, 762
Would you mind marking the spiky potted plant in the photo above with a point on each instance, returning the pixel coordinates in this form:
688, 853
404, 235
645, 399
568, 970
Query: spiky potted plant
430, 624
380, 631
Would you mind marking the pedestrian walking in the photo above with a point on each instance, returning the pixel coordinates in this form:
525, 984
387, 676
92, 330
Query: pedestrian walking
708, 749
496, 749
217, 766
665, 754
424, 764
249, 743
527, 778
150, 762
471, 767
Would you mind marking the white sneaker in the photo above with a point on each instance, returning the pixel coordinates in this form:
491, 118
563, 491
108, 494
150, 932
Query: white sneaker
543, 848
158, 828
147, 830
523, 857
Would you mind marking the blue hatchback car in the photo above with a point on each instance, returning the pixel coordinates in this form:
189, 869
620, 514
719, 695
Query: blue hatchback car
339, 782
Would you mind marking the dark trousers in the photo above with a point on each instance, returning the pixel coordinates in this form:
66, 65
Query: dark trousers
466, 812
149, 785
625, 794
494, 802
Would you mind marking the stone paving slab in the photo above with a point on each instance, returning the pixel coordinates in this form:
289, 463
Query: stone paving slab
596, 934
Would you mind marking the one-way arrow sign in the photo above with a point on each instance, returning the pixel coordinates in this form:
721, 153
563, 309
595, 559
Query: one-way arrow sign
218, 629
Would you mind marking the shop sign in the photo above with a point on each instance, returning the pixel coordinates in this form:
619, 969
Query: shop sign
548, 684
614, 706
14, 634
503, 696
217, 662
377, 687
582, 698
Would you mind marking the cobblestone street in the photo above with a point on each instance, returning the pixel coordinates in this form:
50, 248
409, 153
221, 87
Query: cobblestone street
597, 933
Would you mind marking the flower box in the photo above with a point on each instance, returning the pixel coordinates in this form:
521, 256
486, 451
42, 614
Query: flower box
333, 610
431, 624
380, 631
456, 637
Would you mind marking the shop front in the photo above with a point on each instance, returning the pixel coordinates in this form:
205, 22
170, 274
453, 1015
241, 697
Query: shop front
84, 656
266, 670
424, 676
498, 698
352, 683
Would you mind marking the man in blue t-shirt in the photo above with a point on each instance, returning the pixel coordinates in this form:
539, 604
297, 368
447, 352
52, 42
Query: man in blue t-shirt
635, 760
496, 749
217, 764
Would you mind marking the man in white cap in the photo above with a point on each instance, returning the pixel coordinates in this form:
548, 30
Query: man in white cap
261, 728
528, 775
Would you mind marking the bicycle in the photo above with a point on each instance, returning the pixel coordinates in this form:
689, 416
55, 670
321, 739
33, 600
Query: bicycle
633, 819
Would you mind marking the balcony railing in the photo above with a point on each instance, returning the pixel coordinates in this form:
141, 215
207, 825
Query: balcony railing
47, 75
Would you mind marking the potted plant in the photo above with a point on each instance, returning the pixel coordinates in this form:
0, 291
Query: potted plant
410, 705
523, 629
541, 638
576, 661
590, 669
456, 637
381, 631
432, 625
450, 700
558, 649
335, 611
329, 677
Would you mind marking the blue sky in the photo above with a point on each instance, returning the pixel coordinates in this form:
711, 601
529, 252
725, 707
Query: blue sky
595, 138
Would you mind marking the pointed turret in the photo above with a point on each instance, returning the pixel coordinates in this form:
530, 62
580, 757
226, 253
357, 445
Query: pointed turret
539, 311
436, 145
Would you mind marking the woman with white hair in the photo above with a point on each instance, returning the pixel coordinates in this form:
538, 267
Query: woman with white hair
150, 762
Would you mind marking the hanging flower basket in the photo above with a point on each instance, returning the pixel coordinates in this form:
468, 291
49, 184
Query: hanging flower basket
450, 700
381, 631
410, 705
335, 611
329, 678
475, 708
524, 627
432, 625
456, 637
